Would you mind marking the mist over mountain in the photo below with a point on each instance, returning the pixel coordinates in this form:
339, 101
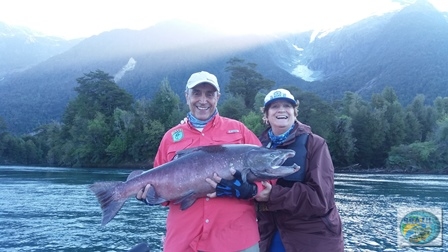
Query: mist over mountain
21, 48
406, 50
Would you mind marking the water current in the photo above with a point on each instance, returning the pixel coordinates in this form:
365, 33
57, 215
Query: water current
52, 209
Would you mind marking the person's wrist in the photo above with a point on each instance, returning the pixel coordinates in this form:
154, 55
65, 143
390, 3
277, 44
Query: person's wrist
254, 190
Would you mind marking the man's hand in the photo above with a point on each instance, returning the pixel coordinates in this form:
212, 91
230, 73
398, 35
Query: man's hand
141, 195
235, 187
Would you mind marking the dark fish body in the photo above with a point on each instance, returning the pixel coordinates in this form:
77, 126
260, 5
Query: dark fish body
182, 180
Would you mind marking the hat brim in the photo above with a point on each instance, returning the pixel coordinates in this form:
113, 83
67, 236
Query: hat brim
190, 86
293, 102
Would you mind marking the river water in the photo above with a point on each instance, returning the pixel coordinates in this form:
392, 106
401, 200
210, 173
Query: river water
52, 209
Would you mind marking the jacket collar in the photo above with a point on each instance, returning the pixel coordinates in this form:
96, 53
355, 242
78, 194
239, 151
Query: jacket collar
299, 128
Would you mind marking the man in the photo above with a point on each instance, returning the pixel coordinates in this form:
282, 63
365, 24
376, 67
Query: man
210, 224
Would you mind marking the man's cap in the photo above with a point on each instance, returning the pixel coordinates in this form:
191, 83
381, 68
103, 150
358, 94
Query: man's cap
278, 94
202, 77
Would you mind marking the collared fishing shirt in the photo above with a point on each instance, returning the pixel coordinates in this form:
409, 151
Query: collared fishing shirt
210, 224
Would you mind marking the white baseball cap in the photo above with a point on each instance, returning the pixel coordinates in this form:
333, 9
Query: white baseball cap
279, 94
202, 77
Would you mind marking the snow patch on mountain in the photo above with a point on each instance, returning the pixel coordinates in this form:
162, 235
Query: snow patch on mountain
298, 48
128, 67
318, 34
306, 74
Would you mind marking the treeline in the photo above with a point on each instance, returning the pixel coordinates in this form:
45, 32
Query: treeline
105, 127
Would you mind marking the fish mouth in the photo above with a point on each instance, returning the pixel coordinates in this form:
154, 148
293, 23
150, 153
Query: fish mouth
277, 162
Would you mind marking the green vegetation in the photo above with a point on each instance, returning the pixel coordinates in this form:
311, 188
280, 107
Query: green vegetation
105, 127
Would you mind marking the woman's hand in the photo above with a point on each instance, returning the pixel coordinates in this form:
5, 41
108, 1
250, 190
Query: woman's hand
263, 196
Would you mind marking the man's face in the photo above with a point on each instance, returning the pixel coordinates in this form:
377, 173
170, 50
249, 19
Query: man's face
202, 100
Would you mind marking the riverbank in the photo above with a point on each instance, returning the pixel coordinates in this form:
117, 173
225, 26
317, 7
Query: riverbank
407, 170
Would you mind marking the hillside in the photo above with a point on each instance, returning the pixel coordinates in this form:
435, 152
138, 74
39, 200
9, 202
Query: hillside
406, 50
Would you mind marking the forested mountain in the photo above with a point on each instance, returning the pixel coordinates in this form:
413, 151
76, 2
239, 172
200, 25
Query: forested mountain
406, 50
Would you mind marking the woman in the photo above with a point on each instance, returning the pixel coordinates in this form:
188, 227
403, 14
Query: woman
298, 212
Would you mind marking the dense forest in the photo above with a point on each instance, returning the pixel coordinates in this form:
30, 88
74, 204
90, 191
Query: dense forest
105, 127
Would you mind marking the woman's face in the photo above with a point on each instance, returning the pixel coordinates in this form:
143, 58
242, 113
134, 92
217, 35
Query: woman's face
202, 100
281, 116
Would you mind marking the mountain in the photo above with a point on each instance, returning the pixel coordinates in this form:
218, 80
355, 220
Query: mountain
170, 50
406, 49
22, 48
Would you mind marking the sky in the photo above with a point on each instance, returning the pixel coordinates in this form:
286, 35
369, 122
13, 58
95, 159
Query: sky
70, 19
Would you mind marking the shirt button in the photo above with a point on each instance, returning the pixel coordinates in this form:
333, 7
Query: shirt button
207, 221
207, 199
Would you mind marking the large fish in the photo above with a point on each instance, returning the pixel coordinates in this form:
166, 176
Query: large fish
182, 180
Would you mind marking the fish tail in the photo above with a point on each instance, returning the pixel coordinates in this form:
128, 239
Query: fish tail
110, 202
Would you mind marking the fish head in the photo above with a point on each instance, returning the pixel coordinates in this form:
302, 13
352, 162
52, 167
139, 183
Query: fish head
265, 163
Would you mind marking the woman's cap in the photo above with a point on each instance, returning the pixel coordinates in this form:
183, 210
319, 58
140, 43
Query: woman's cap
202, 77
278, 94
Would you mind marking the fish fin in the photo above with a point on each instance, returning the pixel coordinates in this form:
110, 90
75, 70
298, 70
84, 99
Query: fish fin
134, 174
187, 200
152, 198
207, 149
213, 148
110, 204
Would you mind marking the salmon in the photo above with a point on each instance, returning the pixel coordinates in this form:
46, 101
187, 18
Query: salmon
182, 180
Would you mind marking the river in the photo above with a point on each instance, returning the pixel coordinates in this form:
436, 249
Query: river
52, 209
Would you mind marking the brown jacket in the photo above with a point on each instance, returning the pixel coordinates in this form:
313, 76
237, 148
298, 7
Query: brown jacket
304, 212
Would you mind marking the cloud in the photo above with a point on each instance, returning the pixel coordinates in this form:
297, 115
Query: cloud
83, 18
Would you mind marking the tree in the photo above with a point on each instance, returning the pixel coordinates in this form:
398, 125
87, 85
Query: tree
413, 131
315, 112
441, 132
441, 107
234, 107
97, 92
342, 143
426, 116
124, 126
245, 81
88, 127
166, 106
392, 117
253, 121
3, 132
147, 134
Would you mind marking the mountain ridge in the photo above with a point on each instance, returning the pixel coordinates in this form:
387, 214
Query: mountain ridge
363, 57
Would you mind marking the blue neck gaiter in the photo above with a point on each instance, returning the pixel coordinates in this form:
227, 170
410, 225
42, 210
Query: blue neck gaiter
200, 124
277, 140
